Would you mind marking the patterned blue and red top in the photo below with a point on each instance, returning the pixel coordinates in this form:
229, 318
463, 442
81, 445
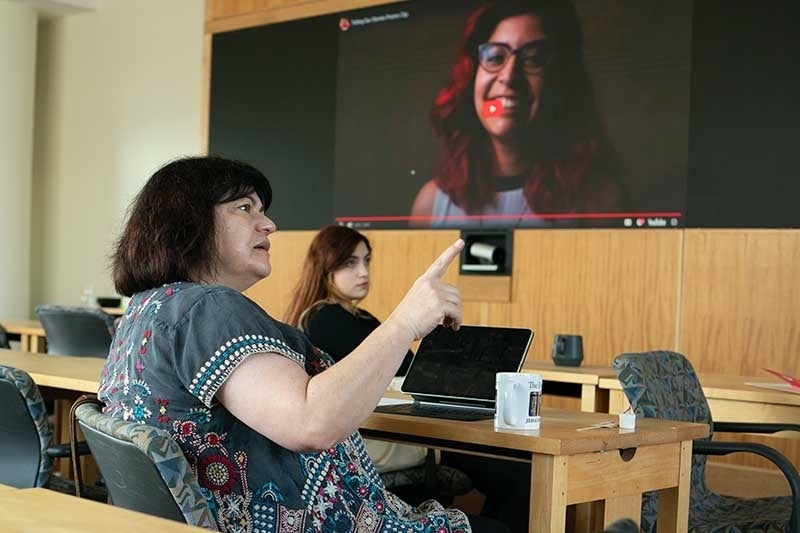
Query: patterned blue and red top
175, 346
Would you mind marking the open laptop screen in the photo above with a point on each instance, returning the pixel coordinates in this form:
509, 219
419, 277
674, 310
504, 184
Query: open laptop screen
462, 364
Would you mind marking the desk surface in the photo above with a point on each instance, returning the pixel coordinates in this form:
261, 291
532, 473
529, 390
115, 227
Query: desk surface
22, 326
583, 375
558, 434
60, 371
720, 387
47, 510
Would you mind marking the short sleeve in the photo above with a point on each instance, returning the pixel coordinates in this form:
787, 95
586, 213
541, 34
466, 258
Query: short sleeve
221, 329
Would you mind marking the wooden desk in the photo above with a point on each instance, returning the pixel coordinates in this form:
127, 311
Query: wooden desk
80, 374
732, 400
571, 466
6, 487
31, 334
114, 311
593, 399
46, 510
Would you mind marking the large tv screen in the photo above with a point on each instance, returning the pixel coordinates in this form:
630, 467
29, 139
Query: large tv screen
446, 113
388, 116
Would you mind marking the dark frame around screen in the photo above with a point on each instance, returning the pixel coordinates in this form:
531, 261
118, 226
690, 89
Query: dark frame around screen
339, 119
698, 135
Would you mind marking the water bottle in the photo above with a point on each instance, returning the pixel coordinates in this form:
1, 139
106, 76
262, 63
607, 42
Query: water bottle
87, 298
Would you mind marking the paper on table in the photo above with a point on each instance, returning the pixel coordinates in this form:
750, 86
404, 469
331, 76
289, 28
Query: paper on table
397, 383
783, 387
393, 401
791, 380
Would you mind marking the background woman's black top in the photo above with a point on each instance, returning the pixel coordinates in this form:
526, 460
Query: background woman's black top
336, 331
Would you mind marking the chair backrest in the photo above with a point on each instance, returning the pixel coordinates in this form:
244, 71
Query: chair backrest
25, 431
79, 331
663, 384
4, 338
144, 469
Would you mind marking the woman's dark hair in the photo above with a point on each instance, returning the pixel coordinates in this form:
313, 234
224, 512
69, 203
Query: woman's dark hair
572, 138
170, 233
328, 252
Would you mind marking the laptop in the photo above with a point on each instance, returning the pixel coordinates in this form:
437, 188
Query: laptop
453, 373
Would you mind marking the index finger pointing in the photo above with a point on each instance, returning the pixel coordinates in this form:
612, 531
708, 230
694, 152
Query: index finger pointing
439, 267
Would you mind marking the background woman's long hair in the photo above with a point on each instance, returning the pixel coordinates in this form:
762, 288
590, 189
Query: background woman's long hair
329, 250
568, 143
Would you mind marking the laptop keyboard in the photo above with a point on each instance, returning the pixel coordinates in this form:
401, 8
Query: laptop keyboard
436, 411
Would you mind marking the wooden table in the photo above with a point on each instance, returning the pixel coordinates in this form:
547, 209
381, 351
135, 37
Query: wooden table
31, 334
571, 466
80, 374
731, 399
46, 510
593, 399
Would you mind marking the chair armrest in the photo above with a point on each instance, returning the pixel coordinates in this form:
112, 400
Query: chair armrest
63, 450
777, 458
754, 427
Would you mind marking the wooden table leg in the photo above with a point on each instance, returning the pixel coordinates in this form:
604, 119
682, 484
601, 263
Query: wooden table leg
37, 344
588, 398
24, 342
622, 507
548, 509
673, 503
617, 402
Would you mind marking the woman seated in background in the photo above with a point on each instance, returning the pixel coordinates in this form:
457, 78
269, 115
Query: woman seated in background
267, 421
334, 279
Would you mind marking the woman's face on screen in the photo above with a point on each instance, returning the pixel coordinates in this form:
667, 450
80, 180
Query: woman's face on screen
507, 100
352, 278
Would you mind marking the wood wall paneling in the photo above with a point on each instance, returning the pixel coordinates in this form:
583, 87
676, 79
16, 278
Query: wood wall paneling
741, 301
228, 15
616, 288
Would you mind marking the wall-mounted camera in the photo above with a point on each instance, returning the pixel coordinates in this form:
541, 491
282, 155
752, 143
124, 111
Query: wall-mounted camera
486, 252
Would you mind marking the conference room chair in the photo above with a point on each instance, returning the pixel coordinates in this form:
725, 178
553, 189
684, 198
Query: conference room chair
663, 384
27, 449
143, 468
4, 339
78, 331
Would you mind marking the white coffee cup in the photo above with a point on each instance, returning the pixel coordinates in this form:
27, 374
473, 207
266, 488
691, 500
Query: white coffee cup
518, 403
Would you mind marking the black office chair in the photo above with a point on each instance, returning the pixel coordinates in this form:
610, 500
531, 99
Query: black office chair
26, 438
663, 384
79, 331
144, 469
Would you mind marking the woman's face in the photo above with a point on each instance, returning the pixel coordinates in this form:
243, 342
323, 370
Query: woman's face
242, 231
506, 101
352, 278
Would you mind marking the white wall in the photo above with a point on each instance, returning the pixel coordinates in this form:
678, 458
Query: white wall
17, 75
118, 94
